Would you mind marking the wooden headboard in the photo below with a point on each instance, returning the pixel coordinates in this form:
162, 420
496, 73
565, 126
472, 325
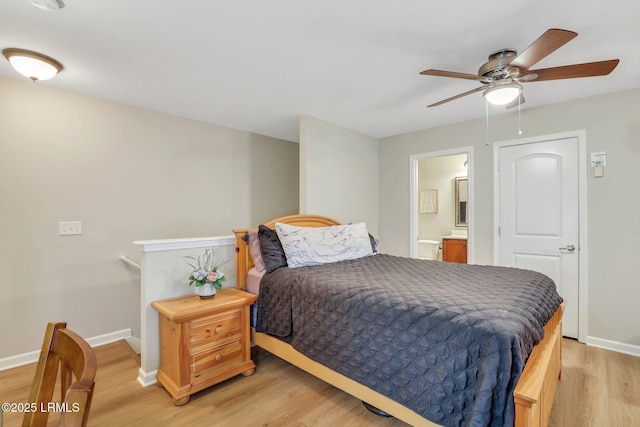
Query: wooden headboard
243, 257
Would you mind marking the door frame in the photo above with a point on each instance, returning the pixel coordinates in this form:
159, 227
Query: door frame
413, 197
581, 135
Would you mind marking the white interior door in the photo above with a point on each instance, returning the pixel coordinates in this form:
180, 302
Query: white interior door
539, 215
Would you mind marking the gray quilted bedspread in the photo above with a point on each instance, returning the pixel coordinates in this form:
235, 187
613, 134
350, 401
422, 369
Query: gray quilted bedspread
448, 341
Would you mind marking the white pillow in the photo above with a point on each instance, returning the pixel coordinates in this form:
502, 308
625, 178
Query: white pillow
321, 245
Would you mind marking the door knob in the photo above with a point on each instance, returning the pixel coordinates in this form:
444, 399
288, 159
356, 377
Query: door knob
569, 248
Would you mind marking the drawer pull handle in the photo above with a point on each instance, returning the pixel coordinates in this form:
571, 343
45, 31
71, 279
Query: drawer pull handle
218, 329
218, 357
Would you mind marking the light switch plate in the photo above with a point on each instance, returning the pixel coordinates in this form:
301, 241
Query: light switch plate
599, 159
70, 228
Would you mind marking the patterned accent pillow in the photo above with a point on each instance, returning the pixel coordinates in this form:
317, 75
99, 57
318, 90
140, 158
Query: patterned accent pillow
251, 237
321, 245
272, 253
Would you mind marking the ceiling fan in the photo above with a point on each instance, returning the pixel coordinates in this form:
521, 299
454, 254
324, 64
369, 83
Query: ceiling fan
506, 69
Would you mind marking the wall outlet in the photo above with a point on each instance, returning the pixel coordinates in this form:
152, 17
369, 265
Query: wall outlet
70, 228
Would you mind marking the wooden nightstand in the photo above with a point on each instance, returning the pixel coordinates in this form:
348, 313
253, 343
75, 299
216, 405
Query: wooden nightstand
203, 342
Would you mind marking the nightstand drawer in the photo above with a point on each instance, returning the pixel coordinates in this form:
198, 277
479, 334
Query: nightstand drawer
210, 330
214, 359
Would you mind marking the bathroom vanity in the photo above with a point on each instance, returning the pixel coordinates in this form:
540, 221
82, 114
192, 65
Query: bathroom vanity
454, 249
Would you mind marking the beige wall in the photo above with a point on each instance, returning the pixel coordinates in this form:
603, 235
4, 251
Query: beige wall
338, 173
128, 174
132, 174
612, 123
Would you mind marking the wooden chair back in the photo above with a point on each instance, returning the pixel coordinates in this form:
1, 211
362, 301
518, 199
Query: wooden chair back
77, 361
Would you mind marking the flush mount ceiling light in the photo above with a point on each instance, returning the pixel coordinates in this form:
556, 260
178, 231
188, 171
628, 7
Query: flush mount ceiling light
33, 65
502, 92
48, 5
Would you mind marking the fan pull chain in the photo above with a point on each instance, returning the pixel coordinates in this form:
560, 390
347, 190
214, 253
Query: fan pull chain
486, 105
519, 119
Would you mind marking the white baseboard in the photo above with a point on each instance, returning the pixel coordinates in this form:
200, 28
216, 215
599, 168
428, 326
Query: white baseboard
19, 360
135, 343
109, 338
147, 378
619, 347
32, 356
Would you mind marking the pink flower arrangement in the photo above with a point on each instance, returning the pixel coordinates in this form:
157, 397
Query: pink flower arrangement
206, 269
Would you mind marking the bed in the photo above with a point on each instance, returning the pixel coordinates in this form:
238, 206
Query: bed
532, 396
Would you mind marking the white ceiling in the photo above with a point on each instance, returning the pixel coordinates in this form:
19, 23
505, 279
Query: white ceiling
259, 65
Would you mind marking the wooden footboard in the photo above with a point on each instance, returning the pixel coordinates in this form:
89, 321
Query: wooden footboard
534, 393
536, 389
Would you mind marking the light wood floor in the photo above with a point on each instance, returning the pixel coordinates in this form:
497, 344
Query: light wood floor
598, 388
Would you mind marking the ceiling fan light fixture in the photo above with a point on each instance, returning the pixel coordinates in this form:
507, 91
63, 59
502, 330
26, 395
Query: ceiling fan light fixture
33, 65
502, 93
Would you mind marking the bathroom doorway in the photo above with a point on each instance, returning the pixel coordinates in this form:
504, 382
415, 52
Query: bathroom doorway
441, 203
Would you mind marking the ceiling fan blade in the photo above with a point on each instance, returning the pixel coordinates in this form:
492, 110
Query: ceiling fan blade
455, 75
469, 92
518, 101
546, 44
589, 69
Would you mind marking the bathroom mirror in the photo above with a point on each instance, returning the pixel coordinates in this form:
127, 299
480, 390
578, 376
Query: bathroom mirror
461, 201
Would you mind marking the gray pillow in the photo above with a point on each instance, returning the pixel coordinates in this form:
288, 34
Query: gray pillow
272, 253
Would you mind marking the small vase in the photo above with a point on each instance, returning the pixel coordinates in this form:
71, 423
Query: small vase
206, 291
